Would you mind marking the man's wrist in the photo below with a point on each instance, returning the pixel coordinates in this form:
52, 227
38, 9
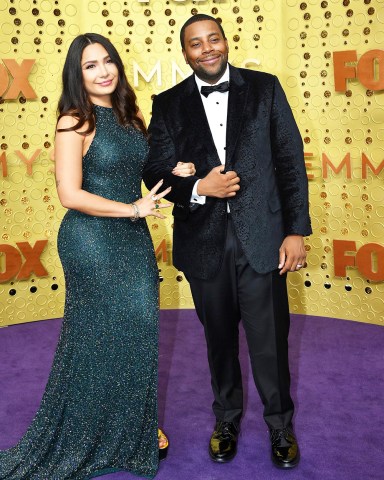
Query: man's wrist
197, 187
196, 197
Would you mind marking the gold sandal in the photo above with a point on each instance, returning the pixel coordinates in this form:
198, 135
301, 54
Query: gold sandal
162, 450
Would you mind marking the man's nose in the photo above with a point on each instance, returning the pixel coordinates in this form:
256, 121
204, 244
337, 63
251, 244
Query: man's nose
207, 47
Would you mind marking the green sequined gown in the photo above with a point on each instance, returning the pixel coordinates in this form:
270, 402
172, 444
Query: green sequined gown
99, 410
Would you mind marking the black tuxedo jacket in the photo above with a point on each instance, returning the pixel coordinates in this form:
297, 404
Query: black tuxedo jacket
263, 146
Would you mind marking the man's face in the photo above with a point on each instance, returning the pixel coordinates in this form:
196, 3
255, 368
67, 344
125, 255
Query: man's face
206, 50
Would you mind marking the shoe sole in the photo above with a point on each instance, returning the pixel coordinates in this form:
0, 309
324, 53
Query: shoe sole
163, 452
285, 465
221, 460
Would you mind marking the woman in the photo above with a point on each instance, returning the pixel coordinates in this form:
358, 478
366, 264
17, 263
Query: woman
99, 410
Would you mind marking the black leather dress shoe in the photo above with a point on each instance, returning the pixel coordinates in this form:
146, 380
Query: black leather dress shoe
223, 443
285, 450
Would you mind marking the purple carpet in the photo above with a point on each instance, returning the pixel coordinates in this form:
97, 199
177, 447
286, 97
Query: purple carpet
337, 385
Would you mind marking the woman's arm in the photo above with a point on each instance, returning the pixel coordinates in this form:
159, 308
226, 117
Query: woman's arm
183, 169
69, 150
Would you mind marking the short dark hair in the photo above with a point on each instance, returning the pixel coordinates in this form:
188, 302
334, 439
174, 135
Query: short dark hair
199, 17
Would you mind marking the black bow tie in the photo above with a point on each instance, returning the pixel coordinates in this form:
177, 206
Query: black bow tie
220, 87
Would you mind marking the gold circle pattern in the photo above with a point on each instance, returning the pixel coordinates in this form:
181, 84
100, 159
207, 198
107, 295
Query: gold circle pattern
335, 127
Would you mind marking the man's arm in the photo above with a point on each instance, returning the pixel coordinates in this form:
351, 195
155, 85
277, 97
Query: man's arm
288, 157
162, 161
287, 147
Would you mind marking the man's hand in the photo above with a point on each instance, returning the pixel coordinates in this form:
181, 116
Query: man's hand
219, 185
292, 254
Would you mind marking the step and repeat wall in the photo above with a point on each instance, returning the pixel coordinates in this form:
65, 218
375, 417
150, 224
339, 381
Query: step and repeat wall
329, 58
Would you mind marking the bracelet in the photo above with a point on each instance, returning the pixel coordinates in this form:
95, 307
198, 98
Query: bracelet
136, 211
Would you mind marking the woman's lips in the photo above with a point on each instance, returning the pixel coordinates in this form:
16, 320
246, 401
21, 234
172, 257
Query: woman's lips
106, 83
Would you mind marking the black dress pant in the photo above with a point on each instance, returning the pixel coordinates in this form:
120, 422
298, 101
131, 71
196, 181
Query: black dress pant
261, 302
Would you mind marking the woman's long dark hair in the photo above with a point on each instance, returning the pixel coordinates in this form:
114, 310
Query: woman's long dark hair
74, 100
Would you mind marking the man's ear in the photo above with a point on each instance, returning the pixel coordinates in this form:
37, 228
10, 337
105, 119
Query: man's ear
185, 56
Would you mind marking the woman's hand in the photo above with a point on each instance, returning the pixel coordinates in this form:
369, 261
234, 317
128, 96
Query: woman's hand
184, 169
150, 204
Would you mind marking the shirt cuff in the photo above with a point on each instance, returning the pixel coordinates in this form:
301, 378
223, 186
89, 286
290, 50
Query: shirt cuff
195, 197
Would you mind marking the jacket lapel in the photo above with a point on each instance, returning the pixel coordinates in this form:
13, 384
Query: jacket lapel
195, 110
237, 101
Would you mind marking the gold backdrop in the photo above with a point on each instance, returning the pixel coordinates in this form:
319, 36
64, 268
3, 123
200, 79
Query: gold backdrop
327, 56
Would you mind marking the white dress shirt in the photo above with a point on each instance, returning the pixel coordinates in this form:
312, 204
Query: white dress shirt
216, 107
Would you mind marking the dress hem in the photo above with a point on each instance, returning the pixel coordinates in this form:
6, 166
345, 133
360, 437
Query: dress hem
106, 471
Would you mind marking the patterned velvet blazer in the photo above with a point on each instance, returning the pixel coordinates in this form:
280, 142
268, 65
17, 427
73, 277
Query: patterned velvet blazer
264, 147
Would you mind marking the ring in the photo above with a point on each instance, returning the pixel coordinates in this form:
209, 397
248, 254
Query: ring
157, 202
298, 266
154, 198
156, 206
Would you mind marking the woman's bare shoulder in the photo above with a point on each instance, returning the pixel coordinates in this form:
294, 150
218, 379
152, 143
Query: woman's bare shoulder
70, 120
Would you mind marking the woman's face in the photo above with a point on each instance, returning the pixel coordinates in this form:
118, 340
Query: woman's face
100, 74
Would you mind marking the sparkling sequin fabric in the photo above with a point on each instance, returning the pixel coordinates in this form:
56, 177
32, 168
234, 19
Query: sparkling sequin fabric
99, 410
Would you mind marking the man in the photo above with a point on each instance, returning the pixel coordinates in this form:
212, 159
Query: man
239, 223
